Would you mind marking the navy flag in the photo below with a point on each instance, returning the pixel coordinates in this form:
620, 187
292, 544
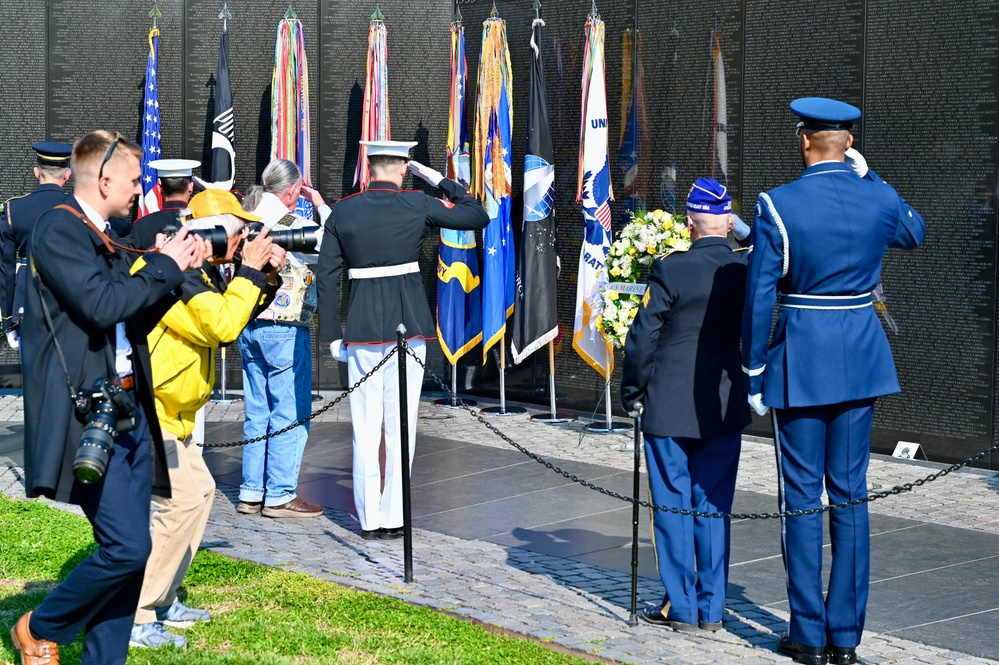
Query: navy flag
535, 317
223, 128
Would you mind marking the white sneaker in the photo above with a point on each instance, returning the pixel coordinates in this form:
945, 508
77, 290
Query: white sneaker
153, 636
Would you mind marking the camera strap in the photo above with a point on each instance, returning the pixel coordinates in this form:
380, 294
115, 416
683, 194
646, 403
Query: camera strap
110, 244
36, 279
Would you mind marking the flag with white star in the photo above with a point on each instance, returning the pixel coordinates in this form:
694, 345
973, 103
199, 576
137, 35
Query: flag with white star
151, 197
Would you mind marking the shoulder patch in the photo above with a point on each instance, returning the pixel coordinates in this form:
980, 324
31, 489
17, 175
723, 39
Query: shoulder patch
675, 250
447, 204
645, 298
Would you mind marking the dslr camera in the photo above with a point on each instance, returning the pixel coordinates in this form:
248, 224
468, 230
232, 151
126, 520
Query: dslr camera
216, 236
107, 410
291, 240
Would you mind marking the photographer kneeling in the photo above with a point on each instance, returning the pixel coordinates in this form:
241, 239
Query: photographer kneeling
182, 350
84, 335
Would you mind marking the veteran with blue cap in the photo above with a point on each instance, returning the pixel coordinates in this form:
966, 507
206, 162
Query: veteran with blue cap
816, 250
18, 216
681, 361
377, 235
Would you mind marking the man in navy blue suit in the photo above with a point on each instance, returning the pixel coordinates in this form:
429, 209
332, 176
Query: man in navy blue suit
816, 251
681, 360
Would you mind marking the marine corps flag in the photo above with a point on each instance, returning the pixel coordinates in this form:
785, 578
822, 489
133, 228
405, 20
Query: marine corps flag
535, 318
151, 195
491, 179
223, 127
594, 192
459, 304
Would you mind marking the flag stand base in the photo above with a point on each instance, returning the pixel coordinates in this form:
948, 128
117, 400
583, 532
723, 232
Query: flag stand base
559, 418
220, 398
503, 411
448, 403
609, 427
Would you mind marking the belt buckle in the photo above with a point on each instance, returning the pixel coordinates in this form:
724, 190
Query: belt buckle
128, 382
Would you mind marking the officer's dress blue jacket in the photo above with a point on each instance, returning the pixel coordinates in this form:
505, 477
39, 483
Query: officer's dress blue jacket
681, 356
16, 223
822, 235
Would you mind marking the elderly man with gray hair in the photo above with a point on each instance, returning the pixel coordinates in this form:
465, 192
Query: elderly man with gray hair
277, 358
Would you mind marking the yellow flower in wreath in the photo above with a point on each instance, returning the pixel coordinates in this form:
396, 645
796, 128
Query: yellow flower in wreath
612, 295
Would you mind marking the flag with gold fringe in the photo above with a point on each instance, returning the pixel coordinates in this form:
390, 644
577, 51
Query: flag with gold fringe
595, 193
491, 179
634, 126
459, 304
375, 112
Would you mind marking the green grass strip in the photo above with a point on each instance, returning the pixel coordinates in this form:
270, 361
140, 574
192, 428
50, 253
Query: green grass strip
260, 615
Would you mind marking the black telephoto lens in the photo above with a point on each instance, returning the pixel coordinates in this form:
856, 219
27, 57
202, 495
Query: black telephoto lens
292, 240
92, 456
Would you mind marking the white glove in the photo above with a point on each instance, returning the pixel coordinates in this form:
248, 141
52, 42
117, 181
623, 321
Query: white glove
636, 410
338, 351
739, 228
12, 340
756, 401
856, 162
425, 173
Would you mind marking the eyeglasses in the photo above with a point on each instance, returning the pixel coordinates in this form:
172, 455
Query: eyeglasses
107, 155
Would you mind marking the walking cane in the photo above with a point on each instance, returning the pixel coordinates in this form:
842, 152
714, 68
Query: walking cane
633, 619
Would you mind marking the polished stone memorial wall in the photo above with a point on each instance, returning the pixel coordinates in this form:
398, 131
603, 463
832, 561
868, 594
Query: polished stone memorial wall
923, 72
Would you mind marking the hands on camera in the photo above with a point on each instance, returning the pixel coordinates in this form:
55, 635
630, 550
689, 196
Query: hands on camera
261, 253
186, 249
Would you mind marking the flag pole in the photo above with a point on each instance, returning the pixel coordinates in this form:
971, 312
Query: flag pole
502, 409
221, 396
609, 425
556, 417
451, 402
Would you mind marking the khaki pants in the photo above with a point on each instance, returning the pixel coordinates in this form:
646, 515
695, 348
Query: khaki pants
178, 524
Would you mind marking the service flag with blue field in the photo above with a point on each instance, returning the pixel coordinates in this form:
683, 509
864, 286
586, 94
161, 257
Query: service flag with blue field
459, 299
535, 317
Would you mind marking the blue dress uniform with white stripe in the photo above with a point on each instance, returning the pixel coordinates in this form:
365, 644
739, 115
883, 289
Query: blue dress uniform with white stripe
18, 218
681, 360
817, 246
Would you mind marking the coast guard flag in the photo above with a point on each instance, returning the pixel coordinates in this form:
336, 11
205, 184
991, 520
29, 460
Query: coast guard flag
151, 196
491, 180
535, 318
459, 304
594, 192
223, 128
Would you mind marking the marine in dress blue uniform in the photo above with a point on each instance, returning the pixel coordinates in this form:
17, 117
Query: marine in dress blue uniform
816, 251
378, 234
176, 180
681, 360
17, 219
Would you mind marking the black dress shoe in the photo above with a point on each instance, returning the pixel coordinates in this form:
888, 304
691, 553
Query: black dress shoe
801, 653
710, 626
391, 534
654, 614
842, 655
371, 534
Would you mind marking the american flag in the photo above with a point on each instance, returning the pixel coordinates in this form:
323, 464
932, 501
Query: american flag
150, 201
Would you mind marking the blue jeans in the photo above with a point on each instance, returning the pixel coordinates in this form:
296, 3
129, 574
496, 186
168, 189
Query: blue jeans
277, 391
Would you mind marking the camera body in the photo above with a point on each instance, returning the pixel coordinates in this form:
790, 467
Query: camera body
302, 240
106, 410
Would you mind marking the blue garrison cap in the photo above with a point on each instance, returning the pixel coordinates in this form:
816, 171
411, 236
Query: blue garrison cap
710, 196
52, 153
821, 114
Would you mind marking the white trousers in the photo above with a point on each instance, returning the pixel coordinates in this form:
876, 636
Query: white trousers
374, 403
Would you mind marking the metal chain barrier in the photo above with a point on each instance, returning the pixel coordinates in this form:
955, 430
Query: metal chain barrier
327, 407
873, 496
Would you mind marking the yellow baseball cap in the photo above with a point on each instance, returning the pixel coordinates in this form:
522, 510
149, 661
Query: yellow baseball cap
218, 202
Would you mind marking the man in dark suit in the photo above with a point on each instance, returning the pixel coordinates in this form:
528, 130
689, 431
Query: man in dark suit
18, 217
817, 245
83, 299
681, 360
378, 234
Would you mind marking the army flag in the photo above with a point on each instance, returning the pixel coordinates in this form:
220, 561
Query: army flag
223, 127
151, 195
459, 299
535, 317
594, 192
290, 129
491, 179
375, 113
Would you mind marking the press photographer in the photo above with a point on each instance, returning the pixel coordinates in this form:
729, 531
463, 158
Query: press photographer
86, 319
182, 349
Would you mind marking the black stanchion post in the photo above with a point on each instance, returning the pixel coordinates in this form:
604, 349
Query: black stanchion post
407, 527
633, 619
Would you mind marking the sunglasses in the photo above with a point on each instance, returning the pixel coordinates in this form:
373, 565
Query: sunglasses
107, 155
